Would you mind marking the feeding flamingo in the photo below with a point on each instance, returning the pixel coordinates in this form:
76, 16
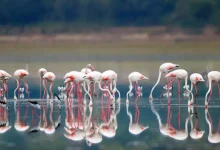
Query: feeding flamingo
111, 76
135, 77
20, 74
178, 74
213, 137
195, 78
41, 73
164, 68
49, 77
135, 128
212, 76
4, 76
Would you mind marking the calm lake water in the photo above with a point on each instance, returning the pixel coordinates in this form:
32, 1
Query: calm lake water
66, 125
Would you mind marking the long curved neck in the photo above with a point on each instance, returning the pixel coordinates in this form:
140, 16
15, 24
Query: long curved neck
129, 114
158, 80
130, 88
186, 84
104, 89
191, 87
16, 88
210, 126
186, 125
210, 86
44, 84
156, 113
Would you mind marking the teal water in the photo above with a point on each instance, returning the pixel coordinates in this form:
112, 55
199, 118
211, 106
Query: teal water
55, 116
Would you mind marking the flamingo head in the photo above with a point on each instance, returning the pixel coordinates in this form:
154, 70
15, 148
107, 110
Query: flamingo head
91, 67
197, 134
143, 77
166, 67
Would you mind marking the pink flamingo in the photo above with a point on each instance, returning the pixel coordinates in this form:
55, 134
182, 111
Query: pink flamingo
212, 76
4, 76
20, 74
178, 74
49, 77
213, 137
41, 73
135, 77
164, 68
135, 128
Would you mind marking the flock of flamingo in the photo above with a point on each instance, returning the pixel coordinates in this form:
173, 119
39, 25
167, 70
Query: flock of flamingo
79, 125
88, 78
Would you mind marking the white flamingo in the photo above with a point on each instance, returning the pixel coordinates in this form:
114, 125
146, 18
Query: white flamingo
41, 73
4, 76
49, 77
164, 68
212, 76
134, 77
134, 128
213, 137
111, 76
20, 74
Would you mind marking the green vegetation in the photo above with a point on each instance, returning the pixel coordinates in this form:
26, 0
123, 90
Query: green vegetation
72, 15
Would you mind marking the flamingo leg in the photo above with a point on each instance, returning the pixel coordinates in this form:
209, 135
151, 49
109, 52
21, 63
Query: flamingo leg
210, 93
179, 91
168, 86
51, 93
27, 90
196, 87
40, 87
218, 88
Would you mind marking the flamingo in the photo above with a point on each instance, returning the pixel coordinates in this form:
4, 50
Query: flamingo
111, 76
96, 77
20, 74
89, 68
49, 77
4, 76
78, 77
135, 128
135, 77
41, 73
195, 132
178, 74
195, 78
164, 68
212, 76
165, 129
4, 121
20, 124
213, 137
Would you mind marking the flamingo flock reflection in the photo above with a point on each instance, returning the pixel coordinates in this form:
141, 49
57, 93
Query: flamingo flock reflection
98, 120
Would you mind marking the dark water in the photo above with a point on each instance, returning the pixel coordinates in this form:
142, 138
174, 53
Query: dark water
106, 126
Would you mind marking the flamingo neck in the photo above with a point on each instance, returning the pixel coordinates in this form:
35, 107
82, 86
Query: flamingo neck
210, 126
158, 80
17, 80
210, 86
186, 79
103, 89
130, 88
130, 116
186, 126
157, 114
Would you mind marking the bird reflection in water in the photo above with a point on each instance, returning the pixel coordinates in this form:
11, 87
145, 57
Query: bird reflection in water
20, 123
213, 136
167, 129
4, 121
195, 132
109, 124
135, 128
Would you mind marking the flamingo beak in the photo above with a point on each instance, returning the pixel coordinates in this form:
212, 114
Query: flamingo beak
202, 80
